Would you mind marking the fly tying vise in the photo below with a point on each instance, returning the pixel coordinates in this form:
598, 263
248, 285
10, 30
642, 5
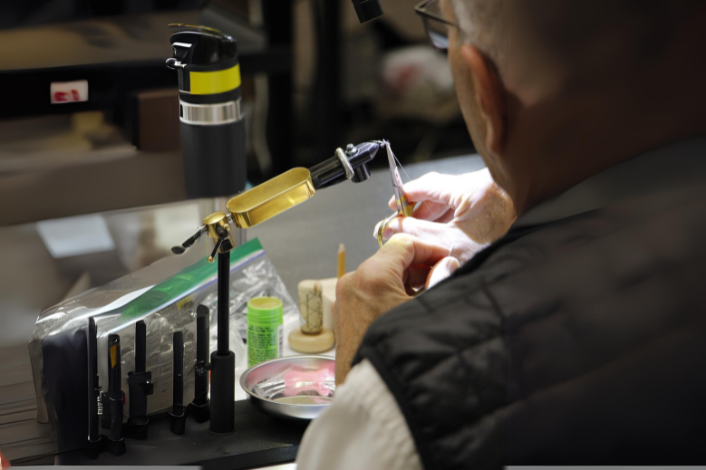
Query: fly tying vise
401, 200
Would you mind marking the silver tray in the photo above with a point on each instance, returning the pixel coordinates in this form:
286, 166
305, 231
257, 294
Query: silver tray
294, 387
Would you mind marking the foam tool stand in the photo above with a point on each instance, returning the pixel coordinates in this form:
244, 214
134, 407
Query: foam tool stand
174, 438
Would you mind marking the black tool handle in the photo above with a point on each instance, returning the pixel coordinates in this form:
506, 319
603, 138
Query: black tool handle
140, 346
203, 325
140, 384
178, 412
178, 250
116, 397
93, 385
200, 408
178, 377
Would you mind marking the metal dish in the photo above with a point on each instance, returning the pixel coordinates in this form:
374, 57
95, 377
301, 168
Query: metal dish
295, 387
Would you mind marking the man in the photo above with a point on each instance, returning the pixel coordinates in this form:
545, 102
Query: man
579, 337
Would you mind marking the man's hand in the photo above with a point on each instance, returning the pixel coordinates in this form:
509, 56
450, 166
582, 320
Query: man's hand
4, 463
461, 212
381, 283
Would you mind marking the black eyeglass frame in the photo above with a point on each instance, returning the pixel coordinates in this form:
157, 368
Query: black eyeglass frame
421, 10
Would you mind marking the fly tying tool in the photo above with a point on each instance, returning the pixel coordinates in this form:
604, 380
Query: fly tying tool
403, 207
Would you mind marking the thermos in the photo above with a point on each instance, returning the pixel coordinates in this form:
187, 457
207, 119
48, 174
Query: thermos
212, 127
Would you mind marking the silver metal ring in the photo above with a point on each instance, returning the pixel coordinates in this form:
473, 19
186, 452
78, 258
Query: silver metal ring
344, 161
383, 225
210, 114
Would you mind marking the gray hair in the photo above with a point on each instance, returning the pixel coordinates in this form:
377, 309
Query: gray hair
483, 23
570, 32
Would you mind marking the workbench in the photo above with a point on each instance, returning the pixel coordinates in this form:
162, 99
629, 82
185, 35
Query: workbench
302, 243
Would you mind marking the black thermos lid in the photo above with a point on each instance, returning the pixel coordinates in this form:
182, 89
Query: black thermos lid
203, 47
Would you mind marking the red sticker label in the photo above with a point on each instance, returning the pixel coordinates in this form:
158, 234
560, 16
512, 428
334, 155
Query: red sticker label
69, 92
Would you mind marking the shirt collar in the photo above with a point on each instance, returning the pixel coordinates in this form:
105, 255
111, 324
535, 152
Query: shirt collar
675, 165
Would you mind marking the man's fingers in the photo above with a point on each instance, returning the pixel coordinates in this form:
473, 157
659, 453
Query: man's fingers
406, 251
441, 271
431, 231
432, 187
427, 210
432, 211
446, 218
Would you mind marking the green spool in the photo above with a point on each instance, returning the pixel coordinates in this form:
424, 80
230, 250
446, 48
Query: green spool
265, 329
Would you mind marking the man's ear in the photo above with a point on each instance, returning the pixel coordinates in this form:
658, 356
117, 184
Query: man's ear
490, 96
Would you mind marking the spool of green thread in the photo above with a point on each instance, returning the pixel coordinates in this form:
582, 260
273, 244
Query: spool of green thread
265, 329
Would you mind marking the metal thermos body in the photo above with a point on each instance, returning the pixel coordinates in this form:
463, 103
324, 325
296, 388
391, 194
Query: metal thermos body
212, 126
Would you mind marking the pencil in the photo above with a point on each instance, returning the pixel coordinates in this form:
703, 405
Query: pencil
341, 260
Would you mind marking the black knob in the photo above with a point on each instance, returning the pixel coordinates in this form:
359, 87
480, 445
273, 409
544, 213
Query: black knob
360, 174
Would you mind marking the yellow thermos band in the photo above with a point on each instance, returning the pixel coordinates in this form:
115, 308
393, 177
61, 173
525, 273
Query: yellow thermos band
210, 83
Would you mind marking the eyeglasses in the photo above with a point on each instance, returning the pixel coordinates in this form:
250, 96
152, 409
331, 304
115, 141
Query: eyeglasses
436, 27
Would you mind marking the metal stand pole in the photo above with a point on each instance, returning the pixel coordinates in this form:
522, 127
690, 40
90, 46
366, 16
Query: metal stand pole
223, 360
223, 303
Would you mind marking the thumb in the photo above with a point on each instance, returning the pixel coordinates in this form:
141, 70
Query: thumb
442, 270
4, 463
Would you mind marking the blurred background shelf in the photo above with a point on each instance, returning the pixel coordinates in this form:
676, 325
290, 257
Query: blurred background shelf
313, 79
117, 55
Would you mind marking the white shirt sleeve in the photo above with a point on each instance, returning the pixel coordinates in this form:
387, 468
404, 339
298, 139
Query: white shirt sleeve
363, 428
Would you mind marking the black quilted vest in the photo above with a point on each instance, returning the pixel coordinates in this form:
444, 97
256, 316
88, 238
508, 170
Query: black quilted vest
578, 342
